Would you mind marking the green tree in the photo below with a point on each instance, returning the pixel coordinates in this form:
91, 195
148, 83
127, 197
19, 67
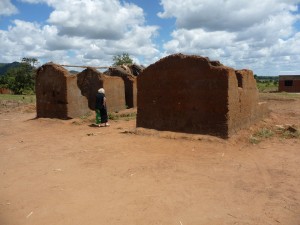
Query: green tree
30, 61
122, 59
5, 81
20, 79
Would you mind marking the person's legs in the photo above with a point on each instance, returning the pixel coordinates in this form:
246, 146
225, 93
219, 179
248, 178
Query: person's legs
104, 117
98, 116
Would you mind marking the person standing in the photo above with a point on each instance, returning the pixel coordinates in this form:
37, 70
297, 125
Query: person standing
101, 110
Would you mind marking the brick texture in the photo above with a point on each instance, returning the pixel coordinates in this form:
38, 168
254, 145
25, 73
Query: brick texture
90, 80
57, 94
193, 95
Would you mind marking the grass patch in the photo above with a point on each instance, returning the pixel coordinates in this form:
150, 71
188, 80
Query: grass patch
267, 86
254, 140
287, 95
26, 99
113, 116
260, 135
288, 132
279, 96
86, 116
124, 116
264, 133
282, 132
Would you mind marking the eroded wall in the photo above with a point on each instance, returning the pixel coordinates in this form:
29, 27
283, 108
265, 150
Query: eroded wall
90, 80
183, 93
129, 83
77, 103
191, 94
243, 101
51, 91
57, 94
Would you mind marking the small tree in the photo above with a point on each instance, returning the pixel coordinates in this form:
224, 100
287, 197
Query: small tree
30, 61
122, 59
20, 79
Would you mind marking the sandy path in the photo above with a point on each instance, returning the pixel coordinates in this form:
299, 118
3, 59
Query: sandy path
56, 172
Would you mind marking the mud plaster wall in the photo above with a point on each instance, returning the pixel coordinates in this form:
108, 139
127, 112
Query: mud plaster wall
130, 85
180, 93
90, 80
77, 103
189, 94
56, 96
244, 107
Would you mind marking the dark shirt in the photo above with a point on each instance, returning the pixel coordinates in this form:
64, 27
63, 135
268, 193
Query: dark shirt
99, 101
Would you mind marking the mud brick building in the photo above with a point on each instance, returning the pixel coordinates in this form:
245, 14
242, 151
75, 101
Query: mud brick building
129, 83
5, 91
57, 93
193, 95
60, 94
90, 80
289, 83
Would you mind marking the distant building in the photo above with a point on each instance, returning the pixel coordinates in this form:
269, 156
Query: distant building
289, 83
5, 91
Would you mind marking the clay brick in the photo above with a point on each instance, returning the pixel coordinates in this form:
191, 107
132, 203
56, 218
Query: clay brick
190, 94
90, 80
5, 91
60, 94
286, 85
129, 83
57, 94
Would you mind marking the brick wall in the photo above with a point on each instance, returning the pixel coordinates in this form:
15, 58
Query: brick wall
57, 94
51, 91
243, 101
5, 91
191, 94
284, 83
129, 82
60, 94
90, 80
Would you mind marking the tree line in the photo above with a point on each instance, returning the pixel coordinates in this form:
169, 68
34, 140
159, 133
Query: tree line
20, 78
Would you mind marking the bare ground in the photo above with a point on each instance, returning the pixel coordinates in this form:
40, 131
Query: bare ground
66, 172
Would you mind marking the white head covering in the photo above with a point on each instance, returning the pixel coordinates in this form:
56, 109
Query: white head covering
101, 90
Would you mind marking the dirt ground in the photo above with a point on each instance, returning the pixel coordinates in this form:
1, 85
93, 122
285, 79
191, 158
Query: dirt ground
67, 172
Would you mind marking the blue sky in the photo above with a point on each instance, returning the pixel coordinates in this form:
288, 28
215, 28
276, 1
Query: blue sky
263, 36
27, 12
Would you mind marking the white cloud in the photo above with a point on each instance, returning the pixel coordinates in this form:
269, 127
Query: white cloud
259, 35
94, 19
25, 39
194, 40
7, 8
86, 32
229, 15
